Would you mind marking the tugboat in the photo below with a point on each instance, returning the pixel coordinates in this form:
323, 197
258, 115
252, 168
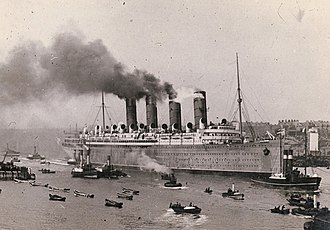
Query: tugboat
85, 170
35, 155
172, 183
234, 194
289, 177
192, 209
109, 171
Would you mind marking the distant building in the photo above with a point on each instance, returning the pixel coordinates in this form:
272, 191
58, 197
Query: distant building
313, 140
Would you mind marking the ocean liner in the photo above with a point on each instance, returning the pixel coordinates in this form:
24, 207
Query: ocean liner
199, 147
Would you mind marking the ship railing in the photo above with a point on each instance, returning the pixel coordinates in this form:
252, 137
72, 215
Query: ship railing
124, 141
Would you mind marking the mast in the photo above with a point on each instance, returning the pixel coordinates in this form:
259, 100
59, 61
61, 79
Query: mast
239, 100
281, 154
103, 119
305, 150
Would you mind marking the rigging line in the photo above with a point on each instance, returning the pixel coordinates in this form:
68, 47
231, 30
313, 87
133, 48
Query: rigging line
232, 108
109, 117
246, 115
254, 96
260, 106
96, 117
228, 93
234, 103
234, 114
89, 113
278, 12
246, 111
112, 116
248, 101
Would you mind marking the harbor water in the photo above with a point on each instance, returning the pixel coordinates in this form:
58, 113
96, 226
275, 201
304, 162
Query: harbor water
26, 207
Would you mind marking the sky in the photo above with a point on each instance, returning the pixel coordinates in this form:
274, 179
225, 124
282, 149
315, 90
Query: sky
283, 49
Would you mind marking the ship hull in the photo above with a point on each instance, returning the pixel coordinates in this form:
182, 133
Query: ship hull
308, 183
72, 151
244, 159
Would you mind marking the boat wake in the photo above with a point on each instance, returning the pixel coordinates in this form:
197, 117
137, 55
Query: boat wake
182, 221
176, 188
59, 162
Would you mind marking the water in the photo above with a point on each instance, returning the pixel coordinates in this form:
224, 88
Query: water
26, 207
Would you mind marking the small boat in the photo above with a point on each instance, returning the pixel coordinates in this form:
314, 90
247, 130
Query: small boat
129, 190
58, 189
239, 196
306, 207
300, 201
112, 203
192, 209
47, 171
20, 181
56, 197
172, 183
43, 162
208, 190
320, 221
125, 196
305, 211
78, 193
15, 159
281, 210
33, 183
71, 162
234, 194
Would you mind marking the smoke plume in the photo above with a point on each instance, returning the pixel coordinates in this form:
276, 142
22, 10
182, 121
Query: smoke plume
33, 71
183, 93
151, 164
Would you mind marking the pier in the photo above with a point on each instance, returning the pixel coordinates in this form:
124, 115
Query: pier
9, 171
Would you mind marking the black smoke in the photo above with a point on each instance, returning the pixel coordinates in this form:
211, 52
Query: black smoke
32, 71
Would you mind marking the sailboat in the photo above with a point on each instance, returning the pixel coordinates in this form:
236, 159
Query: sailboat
288, 177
